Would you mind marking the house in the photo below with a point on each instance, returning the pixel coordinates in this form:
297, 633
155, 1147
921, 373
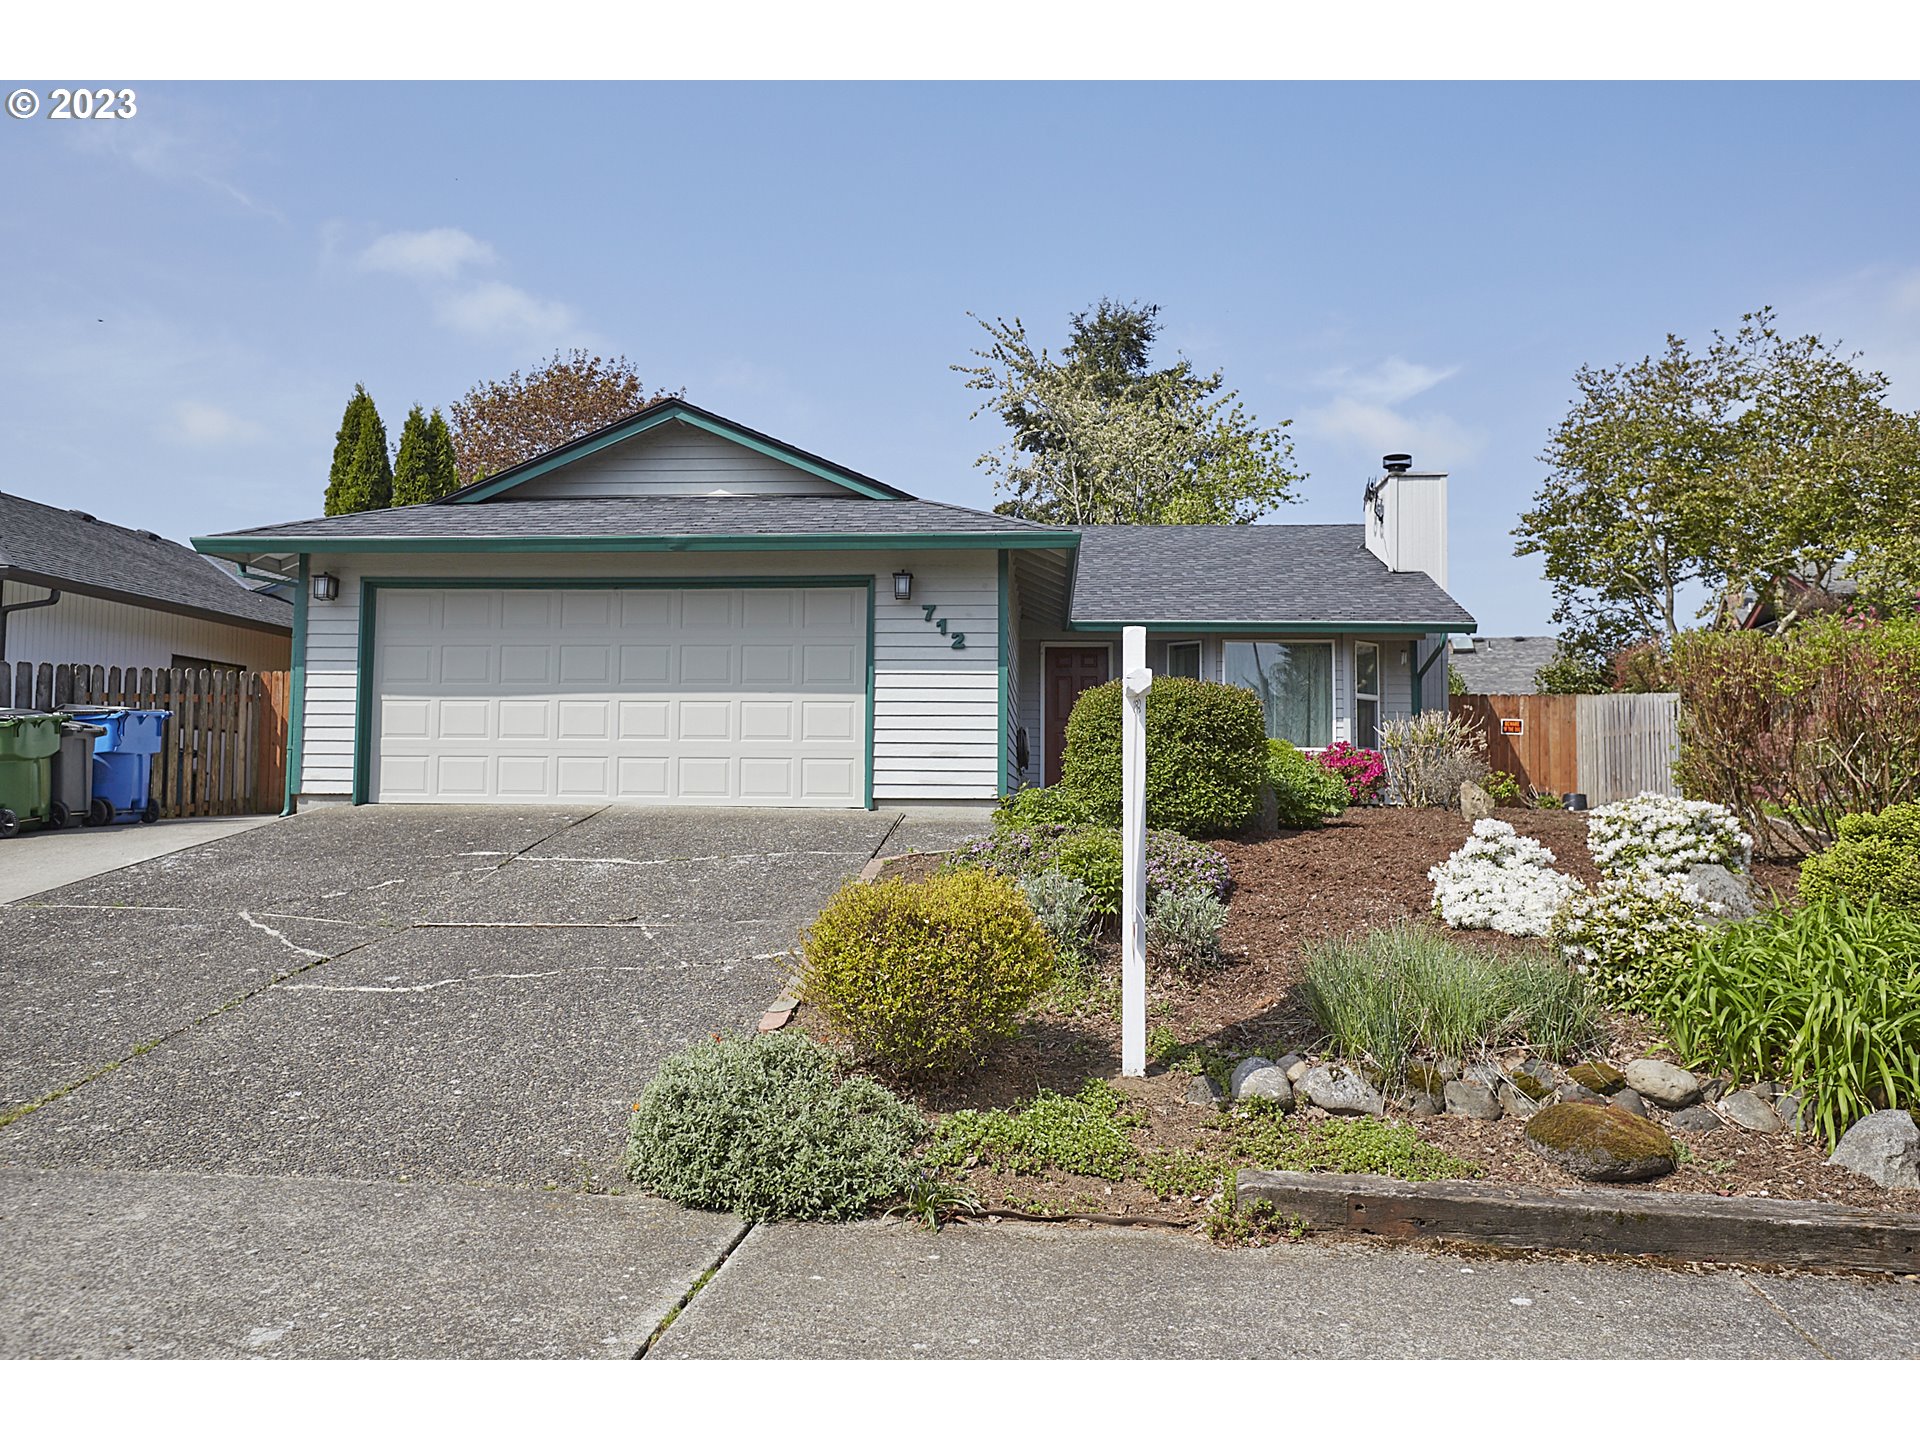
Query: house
1795, 594
75, 590
1502, 664
678, 609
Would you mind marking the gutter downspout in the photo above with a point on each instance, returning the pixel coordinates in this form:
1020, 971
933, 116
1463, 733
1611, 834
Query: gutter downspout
1420, 671
52, 598
297, 690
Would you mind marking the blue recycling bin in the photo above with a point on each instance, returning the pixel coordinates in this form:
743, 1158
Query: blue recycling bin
123, 764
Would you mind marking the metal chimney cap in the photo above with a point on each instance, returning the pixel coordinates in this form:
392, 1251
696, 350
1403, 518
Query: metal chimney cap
1396, 464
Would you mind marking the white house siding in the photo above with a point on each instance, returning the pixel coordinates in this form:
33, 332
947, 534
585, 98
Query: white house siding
675, 459
935, 723
1011, 779
86, 630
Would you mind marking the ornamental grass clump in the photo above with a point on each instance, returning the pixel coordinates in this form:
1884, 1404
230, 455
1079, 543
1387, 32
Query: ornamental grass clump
1634, 935
919, 978
1430, 756
1665, 835
1500, 880
1825, 999
1396, 994
770, 1129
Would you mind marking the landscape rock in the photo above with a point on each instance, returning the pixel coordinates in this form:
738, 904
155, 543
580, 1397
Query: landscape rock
1751, 1111
1426, 1078
1419, 1102
1531, 1085
1270, 1084
1339, 1091
1722, 886
1600, 1142
1629, 1100
1253, 1064
1290, 1061
1598, 1076
1573, 1093
1204, 1090
1473, 1099
1791, 1108
1297, 1069
1711, 1090
1664, 1084
1694, 1119
1449, 1069
1475, 803
1884, 1147
1517, 1103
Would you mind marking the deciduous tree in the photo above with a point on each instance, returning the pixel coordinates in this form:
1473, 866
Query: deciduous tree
501, 423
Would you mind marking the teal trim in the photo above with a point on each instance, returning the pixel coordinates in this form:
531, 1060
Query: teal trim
498, 544
873, 672
1001, 708
297, 693
371, 586
648, 420
1275, 627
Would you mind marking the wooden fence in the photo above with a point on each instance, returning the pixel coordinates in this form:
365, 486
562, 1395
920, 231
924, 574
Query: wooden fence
223, 750
1606, 746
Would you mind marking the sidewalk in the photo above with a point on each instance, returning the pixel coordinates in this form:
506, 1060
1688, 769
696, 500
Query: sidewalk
36, 861
1014, 1291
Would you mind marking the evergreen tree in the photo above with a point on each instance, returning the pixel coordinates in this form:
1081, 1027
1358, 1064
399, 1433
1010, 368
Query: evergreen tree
442, 468
362, 475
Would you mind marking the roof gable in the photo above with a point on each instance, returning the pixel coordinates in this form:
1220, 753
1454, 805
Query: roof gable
610, 461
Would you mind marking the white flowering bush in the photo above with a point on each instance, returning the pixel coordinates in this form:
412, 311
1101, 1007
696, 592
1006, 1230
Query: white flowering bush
1500, 880
1634, 935
1665, 835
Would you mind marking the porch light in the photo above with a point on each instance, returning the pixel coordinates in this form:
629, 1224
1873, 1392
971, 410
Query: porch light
326, 586
903, 584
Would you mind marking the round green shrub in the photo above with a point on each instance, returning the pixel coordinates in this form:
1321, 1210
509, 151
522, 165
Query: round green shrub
921, 977
1305, 792
1206, 755
770, 1129
1874, 857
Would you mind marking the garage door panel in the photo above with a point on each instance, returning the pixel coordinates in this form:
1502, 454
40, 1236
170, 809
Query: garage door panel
709, 695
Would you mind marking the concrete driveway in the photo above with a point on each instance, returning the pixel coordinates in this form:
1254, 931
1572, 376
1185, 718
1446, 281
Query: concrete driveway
327, 1031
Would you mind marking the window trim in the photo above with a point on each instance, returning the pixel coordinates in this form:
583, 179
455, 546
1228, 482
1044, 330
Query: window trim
1360, 696
1198, 656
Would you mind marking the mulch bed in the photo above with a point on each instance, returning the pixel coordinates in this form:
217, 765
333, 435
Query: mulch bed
1290, 891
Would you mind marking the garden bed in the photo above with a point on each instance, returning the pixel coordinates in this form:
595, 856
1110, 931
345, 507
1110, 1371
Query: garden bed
1362, 871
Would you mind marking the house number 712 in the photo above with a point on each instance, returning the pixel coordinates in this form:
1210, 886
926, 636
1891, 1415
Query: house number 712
958, 637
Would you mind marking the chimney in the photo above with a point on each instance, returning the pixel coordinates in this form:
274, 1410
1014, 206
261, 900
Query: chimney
1406, 518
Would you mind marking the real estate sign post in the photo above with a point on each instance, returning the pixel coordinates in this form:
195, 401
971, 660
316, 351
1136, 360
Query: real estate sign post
1135, 678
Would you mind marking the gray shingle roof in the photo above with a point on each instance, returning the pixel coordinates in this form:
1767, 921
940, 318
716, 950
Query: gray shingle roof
608, 518
1250, 574
1503, 664
65, 549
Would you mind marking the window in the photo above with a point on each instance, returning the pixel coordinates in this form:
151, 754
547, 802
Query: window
1294, 682
1366, 695
1183, 659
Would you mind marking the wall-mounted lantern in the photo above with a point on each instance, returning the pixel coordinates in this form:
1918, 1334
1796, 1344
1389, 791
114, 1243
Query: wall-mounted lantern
903, 584
326, 586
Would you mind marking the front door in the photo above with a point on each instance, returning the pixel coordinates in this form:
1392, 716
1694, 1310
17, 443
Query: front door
1071, 671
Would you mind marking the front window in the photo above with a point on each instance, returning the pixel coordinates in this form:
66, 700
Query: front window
1183, 659
1366, 694
1294, 681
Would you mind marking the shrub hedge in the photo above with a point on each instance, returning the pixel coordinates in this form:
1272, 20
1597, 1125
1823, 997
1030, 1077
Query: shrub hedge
1206, 756
921, 977
1305, 792
1875, 857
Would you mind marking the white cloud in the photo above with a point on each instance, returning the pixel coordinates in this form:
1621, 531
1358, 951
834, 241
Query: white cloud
438, 254
1368, 410
498, 309
199, 423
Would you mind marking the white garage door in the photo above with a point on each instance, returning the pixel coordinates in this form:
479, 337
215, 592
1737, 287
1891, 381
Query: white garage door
709, 696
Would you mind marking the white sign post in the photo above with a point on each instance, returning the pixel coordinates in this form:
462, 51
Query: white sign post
1135, 678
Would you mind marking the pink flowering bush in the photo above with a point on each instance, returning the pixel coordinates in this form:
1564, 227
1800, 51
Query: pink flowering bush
1365, 771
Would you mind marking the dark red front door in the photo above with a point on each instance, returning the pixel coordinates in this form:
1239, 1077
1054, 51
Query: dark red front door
1071, 670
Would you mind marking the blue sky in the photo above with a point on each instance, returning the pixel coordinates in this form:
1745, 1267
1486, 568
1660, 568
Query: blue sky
187, 298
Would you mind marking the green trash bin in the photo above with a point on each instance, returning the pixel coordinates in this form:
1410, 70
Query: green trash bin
28, 743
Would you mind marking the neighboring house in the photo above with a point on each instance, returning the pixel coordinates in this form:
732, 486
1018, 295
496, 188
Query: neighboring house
677, 609
1798, 595
1502, 664
78, 591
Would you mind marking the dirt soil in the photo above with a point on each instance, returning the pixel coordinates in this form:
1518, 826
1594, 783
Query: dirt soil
1291, 890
